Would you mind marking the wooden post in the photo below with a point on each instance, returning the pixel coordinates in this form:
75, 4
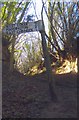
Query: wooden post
12, 54
48, 67
78, 53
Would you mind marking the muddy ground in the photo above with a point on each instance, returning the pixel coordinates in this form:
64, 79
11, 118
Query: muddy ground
29, 96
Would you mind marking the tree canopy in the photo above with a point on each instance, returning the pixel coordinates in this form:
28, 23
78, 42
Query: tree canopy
63, 26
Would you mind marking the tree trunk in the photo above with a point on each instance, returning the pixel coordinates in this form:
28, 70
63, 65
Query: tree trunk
12, 55
78, 53
49, 27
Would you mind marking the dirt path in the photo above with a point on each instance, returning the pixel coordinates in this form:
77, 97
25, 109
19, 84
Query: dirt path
65, 108
29, 97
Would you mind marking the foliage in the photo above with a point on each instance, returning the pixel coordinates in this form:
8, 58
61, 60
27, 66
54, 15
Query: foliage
12, 12
28, 54
63, 26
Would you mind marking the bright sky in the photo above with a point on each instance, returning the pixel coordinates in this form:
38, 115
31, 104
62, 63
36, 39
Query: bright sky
38, 6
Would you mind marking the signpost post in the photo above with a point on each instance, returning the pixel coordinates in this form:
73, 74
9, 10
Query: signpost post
78, 51
24, 27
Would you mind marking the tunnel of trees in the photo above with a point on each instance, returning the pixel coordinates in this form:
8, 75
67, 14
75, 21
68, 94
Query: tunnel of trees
23, 54
63, 27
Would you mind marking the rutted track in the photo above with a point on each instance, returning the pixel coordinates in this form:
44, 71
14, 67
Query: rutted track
28, 96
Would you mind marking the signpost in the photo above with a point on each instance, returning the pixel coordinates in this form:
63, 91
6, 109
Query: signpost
24, 27
15, 29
